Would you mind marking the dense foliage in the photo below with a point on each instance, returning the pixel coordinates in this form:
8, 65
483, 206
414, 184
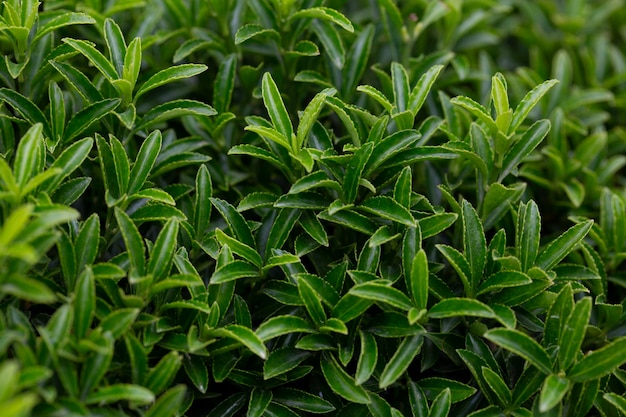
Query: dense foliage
294, 207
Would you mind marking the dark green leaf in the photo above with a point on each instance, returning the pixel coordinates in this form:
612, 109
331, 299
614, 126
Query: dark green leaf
401, 359
88, 116
522, 345
340, 382
552, 392
599, 362
560, 247
524, 146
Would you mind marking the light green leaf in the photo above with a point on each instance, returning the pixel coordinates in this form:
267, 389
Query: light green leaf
529, 101
245, 336
168, 75
382, 293
552, 392
95, 57
599, 362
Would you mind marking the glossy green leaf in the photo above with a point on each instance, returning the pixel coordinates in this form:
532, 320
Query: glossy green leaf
599, 362
224, 84
560, 247
401, 359
474, 243
84, 303
161, 375
573, 333
522, 345
452, 307
458, 261
311, 301
94, 56
497, 385
168, 75
133, 241
258, 402
332, 41
552, 392
173, 109
168, 404
340, 382
64, 19
302, 400
251, 30
116, 45
282, 325
422, 88
88, 116
146, 158
283, 360
435, 224
236, 222
400, 80
441, 405
161, 255
529, 101
432, 387
368, 358
245, 336
120, 392
382, 293
524, 146
234, 270
276, 107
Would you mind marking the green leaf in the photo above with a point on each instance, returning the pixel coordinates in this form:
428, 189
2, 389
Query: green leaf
422, 88
528, 232
460, 265
356, 60
331, 40
251, 30
26, 108
84, 303
161, 255
417, 399
522, 345
119, 321
503, 279
498, 386
236, 222
241, 249
340, 382
86, 245
245, 336
524, 146
234, 270
28, 289
311, 301
389, 147
133, 241
387, 208
477, 110
474, 243
400, 80
552, 392
324, 13
169, 403
529, 101
120, 392
258, 402
418, 280
116, 45
309, 117
401, 359
168, 75
573, 333
173, 109
432, 387
302, 400
454, 307
78, 81
224, 83
132, 62
313, 227
282, 325
435, 224
88, 116
283, 360
354, 170
376, 95
62, 20
196, 370
382, 293
160, 377
146, 158
599, 362
281, 228
560, 247
441, 405
95, 57
368, 358
618, 401
27, 155
276, 108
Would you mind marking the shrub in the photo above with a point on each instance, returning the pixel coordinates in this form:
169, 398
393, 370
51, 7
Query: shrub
284, 208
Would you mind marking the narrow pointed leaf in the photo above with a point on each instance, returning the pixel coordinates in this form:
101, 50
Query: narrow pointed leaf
88, 116
560, 247
168, 75
529, 101
524, 146
276, 107
340, 382
382, 293
401, 359
245, 336
599, 362
94, 56
522, 345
